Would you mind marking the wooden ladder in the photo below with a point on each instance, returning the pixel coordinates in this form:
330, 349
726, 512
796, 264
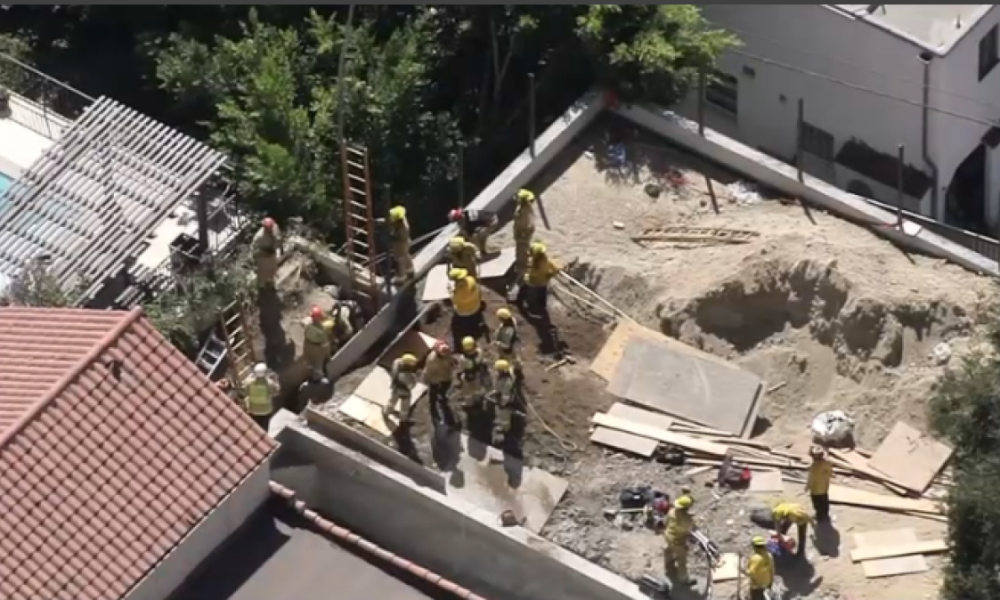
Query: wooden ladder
359, 221
239, 346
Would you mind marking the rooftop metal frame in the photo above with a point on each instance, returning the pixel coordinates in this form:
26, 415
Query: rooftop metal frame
90, 202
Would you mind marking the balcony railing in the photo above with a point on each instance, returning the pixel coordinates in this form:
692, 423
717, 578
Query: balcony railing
40, 103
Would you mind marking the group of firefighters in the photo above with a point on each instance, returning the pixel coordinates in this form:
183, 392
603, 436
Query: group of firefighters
760, 565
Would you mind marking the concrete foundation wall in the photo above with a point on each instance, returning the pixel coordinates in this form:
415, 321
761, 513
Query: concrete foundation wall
209, 534
446, 535
523, 169
780, 176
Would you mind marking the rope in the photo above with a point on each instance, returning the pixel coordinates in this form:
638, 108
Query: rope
564, 445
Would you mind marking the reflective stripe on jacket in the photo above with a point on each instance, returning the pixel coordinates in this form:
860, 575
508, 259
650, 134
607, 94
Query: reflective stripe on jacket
259, 398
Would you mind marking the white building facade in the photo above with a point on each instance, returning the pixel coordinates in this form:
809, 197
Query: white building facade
870, 78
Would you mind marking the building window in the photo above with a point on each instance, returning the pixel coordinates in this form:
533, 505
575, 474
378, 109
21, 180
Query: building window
722, 92
989, 53
817, 142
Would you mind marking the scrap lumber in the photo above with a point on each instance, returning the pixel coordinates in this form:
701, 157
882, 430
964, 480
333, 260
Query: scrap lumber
641, 415
890, 551
661, 435
624, 441
857, 464
888, 567
912, 459
844, 495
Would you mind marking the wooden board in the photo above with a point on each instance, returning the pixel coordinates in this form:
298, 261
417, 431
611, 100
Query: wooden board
859, 464
436, 284
376, 387
911, 459
368, 414
889, 551
766, 481
621, 440
497, 265
662, 435
728, 569
844, 495
413, 342
356, 408
888, 567
641, 415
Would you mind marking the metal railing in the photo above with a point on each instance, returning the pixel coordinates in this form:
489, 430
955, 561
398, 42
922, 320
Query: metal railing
39, 102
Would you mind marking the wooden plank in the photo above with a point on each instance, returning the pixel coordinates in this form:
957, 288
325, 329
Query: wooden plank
436, 284
910, 458
627, 442
356, 408
889, 551
728, 568
698, 470
844, 495
641, 415
605, 364
887, 567
376, 387
767, 481
497, 265
413, 342
857, 463
662, 435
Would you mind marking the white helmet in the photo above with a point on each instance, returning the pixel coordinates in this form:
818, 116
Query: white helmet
260, 370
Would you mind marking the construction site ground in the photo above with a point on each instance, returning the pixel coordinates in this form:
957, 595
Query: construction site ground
828, 314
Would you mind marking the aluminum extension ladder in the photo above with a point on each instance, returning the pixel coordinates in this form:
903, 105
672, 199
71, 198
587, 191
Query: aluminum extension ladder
234, 345
359, 220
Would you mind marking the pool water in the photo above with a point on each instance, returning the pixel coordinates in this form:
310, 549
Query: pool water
5, 183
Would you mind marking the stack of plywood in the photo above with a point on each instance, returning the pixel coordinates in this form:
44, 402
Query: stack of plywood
893, 552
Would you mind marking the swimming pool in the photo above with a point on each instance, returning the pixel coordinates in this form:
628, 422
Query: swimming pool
4, 183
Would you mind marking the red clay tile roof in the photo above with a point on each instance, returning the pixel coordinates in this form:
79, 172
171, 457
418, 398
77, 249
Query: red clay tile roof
103, 471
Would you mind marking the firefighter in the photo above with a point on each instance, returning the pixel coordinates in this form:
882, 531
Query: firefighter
467, 306
507, 340
787, 513
403, 376
818, 483
524, 230
541, 271
314, 391
505, 400
260, 393
463, 255
266, 247
680, 524
760, 569
439, 370
316, 344
473, 377
399, 244
340, 324
476, 226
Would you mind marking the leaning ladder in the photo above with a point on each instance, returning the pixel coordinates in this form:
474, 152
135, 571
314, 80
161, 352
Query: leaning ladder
359, 220
239, 346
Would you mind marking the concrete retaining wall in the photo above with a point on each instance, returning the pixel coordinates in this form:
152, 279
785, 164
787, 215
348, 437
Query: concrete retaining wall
446, 535
783, 177
522, 170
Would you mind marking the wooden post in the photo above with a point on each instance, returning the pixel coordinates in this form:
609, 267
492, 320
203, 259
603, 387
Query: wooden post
799, 159
702, 85
531, 113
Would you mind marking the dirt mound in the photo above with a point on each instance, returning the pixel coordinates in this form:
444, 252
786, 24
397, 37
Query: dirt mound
767, 298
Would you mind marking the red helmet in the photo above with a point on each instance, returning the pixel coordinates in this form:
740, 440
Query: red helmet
316, 313
268, 223
455, 214
442, 347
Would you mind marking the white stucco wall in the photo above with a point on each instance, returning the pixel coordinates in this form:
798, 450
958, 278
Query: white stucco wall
820, 40
953, 138
206, 536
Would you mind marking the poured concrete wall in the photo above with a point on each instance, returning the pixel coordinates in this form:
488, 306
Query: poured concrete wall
783, 177
446, 535
522, 170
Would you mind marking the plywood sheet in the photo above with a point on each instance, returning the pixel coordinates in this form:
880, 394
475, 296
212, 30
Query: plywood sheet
911, 458
844, 495
662, 435
889, 551
766, 481
436, 284
497, 265
728, 568
487, 484
655, 374
414, 342
356, 408
641, 415
621, 440
376, 387
887, 567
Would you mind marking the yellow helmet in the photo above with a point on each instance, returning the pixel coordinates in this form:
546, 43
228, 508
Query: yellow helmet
468, 343
683, 503
538, 249
456, 242
758, 541
457, 274
397, 213
408, 360
502, 365
524, 195
504, 314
